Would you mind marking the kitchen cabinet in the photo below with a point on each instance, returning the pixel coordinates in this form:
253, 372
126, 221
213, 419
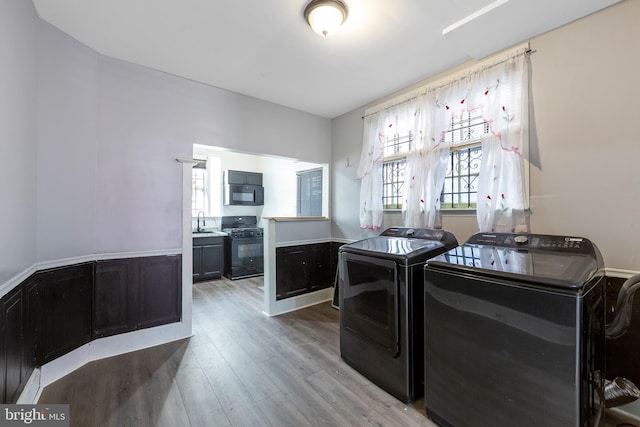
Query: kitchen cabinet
302, 268
136, 293
320, 267
243, 178
291, 271
67, 309
208, 257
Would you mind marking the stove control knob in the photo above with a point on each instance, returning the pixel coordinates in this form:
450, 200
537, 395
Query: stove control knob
521, 240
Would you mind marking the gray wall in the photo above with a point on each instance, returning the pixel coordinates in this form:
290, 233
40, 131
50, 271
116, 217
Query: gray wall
585, 87
584, 175
90, 142
148, 118
18, 106
67, 144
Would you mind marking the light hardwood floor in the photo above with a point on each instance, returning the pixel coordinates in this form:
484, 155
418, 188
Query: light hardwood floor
240, 368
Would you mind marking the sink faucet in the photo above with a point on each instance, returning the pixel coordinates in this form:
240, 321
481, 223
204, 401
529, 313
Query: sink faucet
203, 223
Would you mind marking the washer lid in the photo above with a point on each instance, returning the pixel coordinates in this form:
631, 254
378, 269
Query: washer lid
396, 247
570, 270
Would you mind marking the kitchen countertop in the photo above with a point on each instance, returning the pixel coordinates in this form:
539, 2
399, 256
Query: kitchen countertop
209, 234
297, 218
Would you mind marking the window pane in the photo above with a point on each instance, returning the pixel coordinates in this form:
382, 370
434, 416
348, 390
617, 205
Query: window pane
467, 128
460, 190
397, 144
393, 182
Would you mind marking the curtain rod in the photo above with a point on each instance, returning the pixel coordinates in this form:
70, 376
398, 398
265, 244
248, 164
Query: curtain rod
527, 52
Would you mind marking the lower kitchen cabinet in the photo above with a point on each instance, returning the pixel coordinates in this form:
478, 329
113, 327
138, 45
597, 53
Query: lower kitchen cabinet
302, 268
291, 271
136, 293
208, 258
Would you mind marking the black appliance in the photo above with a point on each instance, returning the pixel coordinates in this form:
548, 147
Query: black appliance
243, 188
514, 332
381, 306
243, 195
243, 247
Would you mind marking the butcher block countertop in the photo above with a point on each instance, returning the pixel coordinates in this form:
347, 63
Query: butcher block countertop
297, 218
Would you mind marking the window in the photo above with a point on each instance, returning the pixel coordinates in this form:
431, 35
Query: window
461, 181
309, 194
199, 199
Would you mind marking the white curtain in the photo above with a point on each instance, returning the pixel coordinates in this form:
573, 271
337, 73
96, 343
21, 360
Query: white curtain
370, 174
503, 205
377, 128
499, 93
425, 170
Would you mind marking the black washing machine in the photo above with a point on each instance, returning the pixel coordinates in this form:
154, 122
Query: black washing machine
381, 288
514, 332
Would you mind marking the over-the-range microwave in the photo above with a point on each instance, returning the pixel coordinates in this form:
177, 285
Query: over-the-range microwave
244, 195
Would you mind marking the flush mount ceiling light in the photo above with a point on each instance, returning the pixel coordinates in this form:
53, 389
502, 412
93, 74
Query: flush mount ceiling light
325, 16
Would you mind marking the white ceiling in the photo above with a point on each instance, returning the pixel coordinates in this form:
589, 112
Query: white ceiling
265, 49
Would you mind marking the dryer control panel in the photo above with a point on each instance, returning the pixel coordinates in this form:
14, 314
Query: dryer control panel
532, 241
415, 233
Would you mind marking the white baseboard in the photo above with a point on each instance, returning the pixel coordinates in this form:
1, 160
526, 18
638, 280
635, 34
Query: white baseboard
31, 392
296, 303
623, 274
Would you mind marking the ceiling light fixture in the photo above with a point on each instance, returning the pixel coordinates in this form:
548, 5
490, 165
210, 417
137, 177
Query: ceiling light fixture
325, 16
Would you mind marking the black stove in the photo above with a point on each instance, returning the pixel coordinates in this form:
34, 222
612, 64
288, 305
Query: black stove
243, 233
244, 247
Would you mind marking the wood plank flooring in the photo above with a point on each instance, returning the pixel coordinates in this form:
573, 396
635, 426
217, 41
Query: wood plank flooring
241, 368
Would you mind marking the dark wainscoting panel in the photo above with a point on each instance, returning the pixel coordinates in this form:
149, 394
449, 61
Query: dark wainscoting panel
160, 300
67, 309
136, 293
57, 310
115, 294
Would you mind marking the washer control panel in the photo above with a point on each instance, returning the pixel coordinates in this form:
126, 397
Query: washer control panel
532, 241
